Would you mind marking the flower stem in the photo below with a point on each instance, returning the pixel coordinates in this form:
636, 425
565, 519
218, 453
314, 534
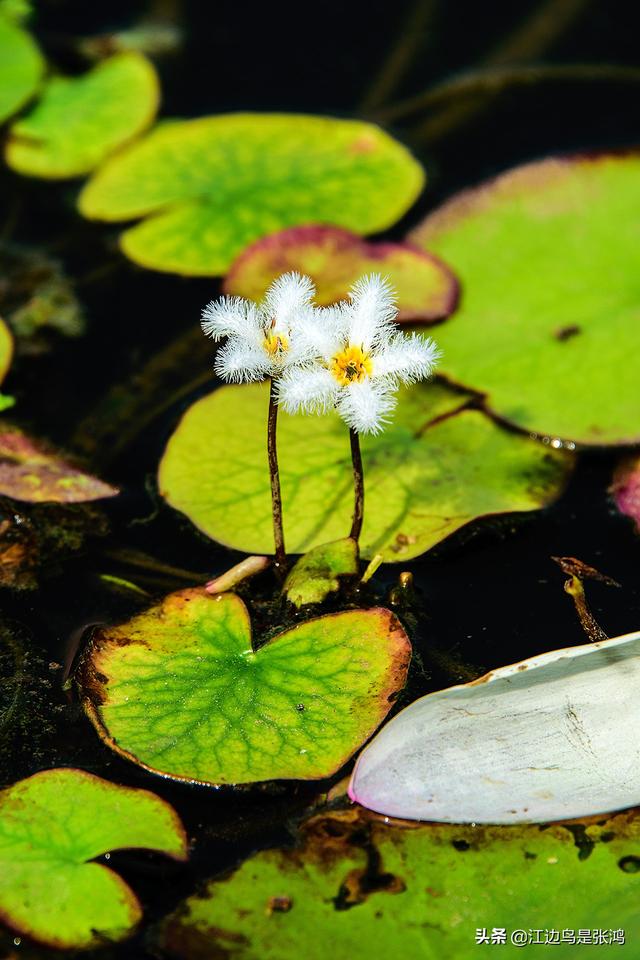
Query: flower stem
358, 486
274, 472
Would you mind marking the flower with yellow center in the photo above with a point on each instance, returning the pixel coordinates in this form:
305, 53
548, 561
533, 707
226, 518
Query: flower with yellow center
360, 359
261, 339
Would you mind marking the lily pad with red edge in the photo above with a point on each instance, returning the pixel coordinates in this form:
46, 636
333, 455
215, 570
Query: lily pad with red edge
32, 472
377, 890
548, 257
427, 290
625, 488
182, 691
52, 826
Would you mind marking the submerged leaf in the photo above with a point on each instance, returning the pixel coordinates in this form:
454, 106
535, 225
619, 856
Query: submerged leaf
531, 742
376, 890
214, 185
53, 823
181, 690
317, 573
436, 468
549, 261
21, 67
29, 471
80, 120
427, 290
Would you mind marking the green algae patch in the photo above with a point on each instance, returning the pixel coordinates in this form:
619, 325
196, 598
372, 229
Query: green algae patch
51, 825
436, 468
549, 263
79, 121
181, 690
210, 187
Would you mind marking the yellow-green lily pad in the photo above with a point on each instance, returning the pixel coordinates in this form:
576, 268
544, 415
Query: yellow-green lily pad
81, 120
51, 826
318, 573
437, 467
548, 256
371, 889
210, 187
21, 67
182, 691
426, 289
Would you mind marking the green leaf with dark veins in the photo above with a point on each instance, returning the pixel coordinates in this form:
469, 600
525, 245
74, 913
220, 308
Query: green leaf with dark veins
371, 889
181, 690
548, 256
51, 825
436, 468
318, 573
80, 120
21, 67
210, 187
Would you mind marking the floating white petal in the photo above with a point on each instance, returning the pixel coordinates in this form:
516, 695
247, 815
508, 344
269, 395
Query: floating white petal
553, 737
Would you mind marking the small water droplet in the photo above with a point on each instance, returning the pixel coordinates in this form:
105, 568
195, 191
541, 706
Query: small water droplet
546, 440
556, 443
552, 859
570, 445
17, 941
303, 751
107, 856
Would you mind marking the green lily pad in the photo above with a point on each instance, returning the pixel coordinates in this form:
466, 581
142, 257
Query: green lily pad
318, 573
21, 67
436, 468
80, 120
181, 690
427, 290
375, 890
625, 488
53, 823
32, 472
6, 349
214, 185
549, 262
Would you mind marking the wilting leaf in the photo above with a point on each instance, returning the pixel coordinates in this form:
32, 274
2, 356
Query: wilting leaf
335, 259
31, 472
21, 66
425, 477
318, 573
626, 488
214, 185
549, 261
80, 120
371, 889
53, 823
181, 690
534, 741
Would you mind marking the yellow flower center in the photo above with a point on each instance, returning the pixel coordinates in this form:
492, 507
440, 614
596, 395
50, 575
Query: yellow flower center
276, 344
352, 363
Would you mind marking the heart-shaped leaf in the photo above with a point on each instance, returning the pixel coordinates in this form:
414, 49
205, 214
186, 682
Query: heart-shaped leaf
549, 262
427, 290
372, 889
80, 120
21, 66
181, 691
626, 488
31, 472
214, 185
434, 469
318, 573
53, 823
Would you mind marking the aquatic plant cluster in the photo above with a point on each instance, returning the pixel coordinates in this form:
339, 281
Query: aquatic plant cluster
296, 669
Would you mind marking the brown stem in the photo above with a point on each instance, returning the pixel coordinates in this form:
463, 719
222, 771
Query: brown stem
358, 486
274, 472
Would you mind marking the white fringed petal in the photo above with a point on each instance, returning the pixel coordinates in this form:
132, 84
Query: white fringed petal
371, 312
406, 358
310, 389
365, 406
287, 296
238, 361
231, 317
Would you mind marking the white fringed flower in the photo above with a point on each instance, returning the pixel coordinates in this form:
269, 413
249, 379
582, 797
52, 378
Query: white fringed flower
262, 340
360, 359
